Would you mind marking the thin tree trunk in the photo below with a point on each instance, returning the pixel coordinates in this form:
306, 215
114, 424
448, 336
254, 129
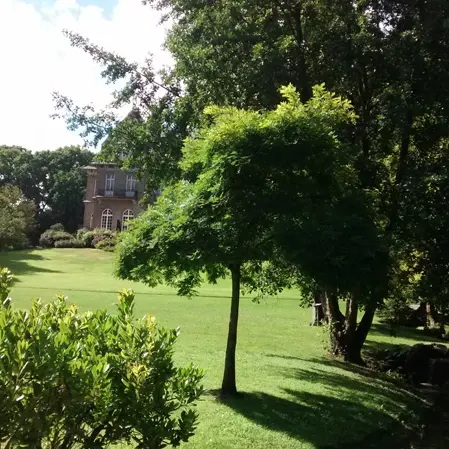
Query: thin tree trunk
303, 82
442, 328
318, 311
400, 172
336, 322
352, 354
228, 386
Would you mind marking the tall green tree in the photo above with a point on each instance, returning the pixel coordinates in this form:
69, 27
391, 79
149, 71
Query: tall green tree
17, 217
390, 59
54, 180
256, 179
63, 186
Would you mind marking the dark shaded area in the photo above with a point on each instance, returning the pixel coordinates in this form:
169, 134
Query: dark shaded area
316, 419
319, 419
18, 263
402, 332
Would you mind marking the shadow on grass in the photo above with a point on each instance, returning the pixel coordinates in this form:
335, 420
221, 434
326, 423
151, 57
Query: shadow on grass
18, 263
324, 421
364, 410
402, 332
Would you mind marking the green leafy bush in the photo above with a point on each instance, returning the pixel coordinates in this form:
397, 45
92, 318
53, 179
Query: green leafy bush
81, 232
87, 238
50, 237
70, 380
104, 239
73, 243
106, 244
92, 238
57, 227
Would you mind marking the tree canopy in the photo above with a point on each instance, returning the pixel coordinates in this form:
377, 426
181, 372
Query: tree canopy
17, 217
390, 59
246, 179
54, 180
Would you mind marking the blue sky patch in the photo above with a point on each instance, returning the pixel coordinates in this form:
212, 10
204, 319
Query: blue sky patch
106, 5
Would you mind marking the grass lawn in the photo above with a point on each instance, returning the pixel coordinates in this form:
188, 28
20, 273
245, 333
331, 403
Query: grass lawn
294, 397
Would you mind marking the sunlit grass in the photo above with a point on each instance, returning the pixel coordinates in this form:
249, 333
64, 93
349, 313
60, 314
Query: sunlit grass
294, 397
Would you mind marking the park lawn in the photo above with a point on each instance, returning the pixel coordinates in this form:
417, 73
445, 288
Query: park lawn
294, 397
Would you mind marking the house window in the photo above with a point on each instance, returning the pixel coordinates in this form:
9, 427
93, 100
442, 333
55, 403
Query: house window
110, 178
106, 219
127, 215
130, 183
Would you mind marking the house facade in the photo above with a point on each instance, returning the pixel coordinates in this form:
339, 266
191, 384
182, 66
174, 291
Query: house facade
112, 196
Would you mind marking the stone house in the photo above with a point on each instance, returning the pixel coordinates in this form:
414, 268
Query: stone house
112, 196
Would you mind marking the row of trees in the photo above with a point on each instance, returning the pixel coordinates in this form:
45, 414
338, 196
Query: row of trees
50, 185
374, 229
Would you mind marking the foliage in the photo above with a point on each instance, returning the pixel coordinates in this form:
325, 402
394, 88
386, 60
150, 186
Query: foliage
72, 243
87, 238
49, 238
54, 180
17, 218
391, 59
69, 380
57, 227
81, 233
106, 244
253, 175
280, 357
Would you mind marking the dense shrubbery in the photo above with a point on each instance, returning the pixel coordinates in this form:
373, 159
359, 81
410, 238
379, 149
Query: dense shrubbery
57, 227
49, 238
72, 243
98, 238
70, 380
87, 238
107, 244
101, 239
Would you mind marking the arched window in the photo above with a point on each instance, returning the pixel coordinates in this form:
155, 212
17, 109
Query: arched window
106, 219
127, 215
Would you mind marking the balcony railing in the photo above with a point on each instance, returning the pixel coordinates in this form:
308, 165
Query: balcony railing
117, 193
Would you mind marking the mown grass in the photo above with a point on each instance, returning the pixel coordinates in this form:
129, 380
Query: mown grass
293, 396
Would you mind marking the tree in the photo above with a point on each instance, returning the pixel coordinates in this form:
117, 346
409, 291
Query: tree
17, 218
390, 59
254, 176
54, 180
423, 219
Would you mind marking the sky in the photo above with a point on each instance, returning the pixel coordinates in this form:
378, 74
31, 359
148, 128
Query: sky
36, 60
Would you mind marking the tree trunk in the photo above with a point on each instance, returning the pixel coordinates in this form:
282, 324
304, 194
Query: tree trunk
400, 172
346, 338
354, 354
336, 322
352, 309
228, 386
442, 323
430, 321
303, 82
319, 308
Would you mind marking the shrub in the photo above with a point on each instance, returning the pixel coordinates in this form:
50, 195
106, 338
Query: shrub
92, 238
104, 239
72, 243
106, 244
50, 237
81, 232
87, 238
57, 227
90, 380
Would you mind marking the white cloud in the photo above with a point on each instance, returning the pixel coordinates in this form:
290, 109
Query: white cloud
36, 59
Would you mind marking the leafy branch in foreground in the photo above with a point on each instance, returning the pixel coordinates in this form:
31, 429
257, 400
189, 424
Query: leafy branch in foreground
70, 380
